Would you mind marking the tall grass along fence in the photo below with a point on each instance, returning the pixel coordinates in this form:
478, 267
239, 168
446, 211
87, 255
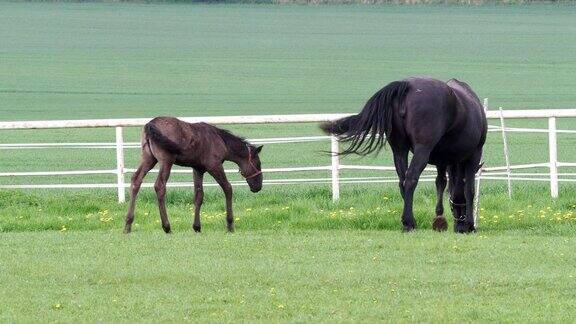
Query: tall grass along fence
507, 172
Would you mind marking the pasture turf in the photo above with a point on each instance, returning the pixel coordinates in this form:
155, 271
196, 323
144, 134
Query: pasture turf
101, 60
295, 255
335, 275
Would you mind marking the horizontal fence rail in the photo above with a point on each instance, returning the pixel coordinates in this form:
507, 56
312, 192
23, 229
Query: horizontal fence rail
489, 173
257, 119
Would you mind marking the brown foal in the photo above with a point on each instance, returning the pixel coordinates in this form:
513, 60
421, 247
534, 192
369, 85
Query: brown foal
200, 146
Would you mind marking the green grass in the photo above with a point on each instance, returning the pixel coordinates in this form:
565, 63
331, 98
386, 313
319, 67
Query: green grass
361, 207
296, 256
97, 60
129, 60
282, 276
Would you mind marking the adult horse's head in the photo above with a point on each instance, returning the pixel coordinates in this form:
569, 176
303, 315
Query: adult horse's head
250, 167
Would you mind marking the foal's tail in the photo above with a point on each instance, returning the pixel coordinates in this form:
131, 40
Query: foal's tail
154, 135
375, 120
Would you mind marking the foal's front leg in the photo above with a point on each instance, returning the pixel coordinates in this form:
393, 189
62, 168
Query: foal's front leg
198, 199
220, 177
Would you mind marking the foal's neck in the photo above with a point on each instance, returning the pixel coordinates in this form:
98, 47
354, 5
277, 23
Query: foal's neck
236, 151
235, 146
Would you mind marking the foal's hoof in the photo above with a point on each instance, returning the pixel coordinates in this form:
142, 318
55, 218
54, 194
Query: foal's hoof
167, 229
127, 229
464, 227
230, 228
197, 228
439, 223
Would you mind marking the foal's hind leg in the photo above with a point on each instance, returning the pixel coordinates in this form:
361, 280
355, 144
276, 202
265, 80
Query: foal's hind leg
417, 165
160, 187
147, 163
198, 199
439, 223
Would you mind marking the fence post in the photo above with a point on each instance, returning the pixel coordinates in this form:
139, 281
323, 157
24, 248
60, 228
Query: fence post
477, 198
506, 153
120, 164
478, 179
553, 149
334, 148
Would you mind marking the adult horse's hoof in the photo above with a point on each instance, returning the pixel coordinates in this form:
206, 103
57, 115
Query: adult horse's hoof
464, 227
439, 223
167, 229
197, 228
408, 229
127, 230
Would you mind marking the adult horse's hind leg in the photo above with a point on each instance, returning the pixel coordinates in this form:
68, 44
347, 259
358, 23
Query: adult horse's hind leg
160, 188
148, 161
220, 177
470, 169
198, 199
401, 164
439, 224
417, 165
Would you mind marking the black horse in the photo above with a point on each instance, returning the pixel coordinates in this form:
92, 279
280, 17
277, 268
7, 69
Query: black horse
200, 146
442, 123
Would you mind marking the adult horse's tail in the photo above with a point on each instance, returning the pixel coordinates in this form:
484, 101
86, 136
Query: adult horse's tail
375, 120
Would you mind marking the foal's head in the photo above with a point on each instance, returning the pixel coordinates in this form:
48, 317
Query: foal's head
250, 167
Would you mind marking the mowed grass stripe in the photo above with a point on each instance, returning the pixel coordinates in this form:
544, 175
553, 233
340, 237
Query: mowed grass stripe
271, 59
286, 276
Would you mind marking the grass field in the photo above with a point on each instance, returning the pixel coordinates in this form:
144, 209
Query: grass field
287, 276
296, 256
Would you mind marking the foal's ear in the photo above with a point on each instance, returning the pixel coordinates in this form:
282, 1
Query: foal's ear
259, 148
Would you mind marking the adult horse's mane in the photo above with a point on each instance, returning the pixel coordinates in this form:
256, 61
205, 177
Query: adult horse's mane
375, 120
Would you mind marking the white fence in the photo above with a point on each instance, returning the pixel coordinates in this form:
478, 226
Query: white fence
493, 173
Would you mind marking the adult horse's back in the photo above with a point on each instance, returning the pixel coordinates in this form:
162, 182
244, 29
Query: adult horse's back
442, 123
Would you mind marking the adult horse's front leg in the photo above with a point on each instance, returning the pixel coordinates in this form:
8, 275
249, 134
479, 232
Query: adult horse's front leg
160, 188
220, 177
417, 165
439, 224
198, 199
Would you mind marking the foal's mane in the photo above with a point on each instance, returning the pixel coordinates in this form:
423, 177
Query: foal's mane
235, 143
